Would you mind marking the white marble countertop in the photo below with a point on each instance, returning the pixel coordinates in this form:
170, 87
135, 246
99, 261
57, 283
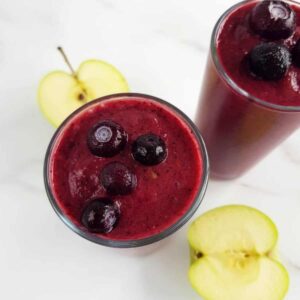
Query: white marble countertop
161, 47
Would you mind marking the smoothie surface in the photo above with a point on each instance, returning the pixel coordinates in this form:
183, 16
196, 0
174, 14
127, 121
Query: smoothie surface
164, 192
236, 39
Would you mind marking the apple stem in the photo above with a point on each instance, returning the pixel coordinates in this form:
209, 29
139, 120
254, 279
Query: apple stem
82, 96
62, 52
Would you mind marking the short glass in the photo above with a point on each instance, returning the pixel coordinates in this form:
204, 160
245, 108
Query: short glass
238, 128
144, 241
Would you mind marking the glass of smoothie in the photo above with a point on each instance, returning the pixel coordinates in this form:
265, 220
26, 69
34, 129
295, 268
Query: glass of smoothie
126, 170
250, 99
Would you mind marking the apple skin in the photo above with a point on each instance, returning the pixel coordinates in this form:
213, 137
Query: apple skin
233, 256
61, 93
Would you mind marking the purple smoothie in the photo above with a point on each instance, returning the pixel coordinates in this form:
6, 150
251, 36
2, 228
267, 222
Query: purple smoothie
243, 117
164, 193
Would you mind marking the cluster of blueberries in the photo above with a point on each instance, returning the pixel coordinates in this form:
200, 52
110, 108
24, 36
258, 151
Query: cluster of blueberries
273, 21
107, 139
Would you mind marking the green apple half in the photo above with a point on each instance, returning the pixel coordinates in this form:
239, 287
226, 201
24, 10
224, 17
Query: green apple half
232, 256
61, 93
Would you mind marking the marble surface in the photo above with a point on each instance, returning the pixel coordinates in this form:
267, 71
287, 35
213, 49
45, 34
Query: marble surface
161, 47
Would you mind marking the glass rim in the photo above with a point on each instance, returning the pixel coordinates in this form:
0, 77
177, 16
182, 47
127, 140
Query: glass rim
226, 77
158, 236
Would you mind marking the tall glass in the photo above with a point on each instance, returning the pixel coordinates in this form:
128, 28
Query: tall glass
239, 129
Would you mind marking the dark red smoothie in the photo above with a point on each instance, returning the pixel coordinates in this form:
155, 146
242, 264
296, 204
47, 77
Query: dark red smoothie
243, 116
163, 192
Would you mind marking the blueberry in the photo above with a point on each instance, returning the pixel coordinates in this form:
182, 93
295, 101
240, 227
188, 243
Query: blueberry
149, 149
107, 139
296, 54
269, 61
100, 215
117, 179
273, 20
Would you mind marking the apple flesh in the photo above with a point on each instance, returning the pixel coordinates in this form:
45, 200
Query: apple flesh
232, 256
60, 93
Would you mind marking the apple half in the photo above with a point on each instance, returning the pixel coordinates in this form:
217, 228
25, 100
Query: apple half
60, 93
233, 256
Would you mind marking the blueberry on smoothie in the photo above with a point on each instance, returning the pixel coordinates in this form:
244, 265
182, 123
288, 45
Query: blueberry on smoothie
117, 179
296, 54
106, 139
100, 215
149, 149
269, 61
273, 20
